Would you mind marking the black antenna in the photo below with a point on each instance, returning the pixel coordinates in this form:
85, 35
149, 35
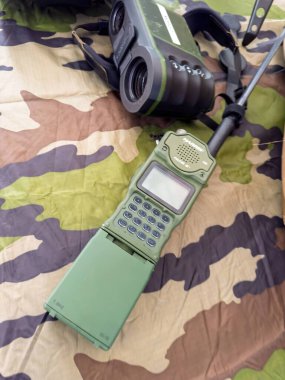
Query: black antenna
231, 120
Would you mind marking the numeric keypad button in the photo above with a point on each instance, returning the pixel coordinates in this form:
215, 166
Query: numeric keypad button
132, 229
128, 215
147, 206
141, 235
156, 212
156, 234
138, 200
122, 223
151, 242
160, 226
151, 219
165, 218
142, 213
137, 221
146, 227
133, 207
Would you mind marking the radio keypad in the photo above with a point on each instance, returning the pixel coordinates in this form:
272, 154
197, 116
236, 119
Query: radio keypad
155, 221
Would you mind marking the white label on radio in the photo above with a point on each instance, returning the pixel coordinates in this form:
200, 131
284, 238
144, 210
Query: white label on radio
168, 24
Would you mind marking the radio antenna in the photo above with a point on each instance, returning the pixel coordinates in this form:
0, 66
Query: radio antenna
232, 119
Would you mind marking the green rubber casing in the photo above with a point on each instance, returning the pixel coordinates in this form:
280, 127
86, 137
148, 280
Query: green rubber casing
98, 293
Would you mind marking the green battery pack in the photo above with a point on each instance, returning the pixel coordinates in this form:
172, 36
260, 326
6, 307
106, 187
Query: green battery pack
98, 293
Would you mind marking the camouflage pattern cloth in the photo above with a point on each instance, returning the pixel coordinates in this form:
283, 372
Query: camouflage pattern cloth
214, 307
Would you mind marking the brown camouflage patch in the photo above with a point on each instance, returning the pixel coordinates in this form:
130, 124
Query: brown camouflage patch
233, 336
280, 238
59, 121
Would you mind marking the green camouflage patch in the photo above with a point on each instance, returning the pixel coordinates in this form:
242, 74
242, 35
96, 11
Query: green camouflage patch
243, 8
53, 19
6, 241
73, 197
274, 369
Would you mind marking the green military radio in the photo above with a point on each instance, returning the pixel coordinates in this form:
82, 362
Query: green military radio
97, 294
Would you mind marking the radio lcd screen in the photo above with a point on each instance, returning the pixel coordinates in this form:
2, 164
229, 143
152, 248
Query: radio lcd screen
164, 186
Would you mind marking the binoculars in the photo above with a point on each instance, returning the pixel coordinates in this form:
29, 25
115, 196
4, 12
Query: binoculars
156, 65
160, 68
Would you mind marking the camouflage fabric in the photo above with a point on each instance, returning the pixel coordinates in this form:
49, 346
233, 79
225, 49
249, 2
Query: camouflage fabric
214, 307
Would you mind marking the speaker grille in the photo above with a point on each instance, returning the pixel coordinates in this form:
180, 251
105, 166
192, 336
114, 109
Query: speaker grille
187, 154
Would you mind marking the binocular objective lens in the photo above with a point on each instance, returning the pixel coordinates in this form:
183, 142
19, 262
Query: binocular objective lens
118, 17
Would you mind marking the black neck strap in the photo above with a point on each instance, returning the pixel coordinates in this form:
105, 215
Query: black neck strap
104, 67
206, 20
